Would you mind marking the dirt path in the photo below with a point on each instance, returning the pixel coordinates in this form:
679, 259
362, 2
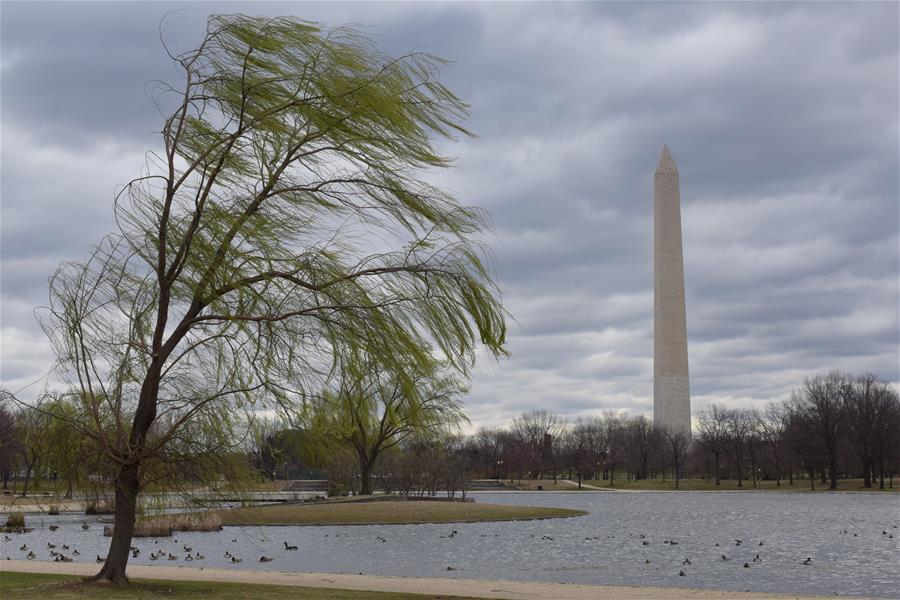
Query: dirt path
471, 588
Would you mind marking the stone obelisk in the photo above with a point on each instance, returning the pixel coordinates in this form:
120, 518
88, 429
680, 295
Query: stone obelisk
671, 384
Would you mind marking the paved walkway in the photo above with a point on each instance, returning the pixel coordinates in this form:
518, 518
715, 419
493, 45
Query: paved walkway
591, 487
469, 588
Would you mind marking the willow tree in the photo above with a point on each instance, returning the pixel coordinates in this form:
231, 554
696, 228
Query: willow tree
371, 408
286, 216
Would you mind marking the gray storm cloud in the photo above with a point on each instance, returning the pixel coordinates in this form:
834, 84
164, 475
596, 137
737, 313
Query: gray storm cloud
783, 119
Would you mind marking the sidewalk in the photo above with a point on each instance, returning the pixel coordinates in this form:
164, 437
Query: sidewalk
470, 588
591, 487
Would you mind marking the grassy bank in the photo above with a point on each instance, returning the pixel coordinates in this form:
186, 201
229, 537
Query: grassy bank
392, 512
26, 586
800, 485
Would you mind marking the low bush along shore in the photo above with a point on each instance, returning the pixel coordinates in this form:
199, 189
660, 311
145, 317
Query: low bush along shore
361, 513
26, 586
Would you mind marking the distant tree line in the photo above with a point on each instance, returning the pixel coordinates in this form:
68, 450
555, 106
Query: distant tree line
833, 426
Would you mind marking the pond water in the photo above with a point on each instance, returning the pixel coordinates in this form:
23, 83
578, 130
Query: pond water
846, 536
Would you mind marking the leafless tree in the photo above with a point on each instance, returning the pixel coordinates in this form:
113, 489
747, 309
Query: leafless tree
536, 430
713, 429
822, 403
678, 444
772, 425
487, 444
869, 406
888, 436
582, 445
613, 438
641, 439
738, 425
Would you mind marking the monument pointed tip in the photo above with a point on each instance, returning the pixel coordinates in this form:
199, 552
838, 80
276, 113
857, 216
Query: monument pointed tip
666, 162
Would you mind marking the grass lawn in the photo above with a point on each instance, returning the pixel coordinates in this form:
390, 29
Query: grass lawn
391, 512
800, 485
27, 586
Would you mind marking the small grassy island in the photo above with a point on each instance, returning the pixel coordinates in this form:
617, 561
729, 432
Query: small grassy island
388, 512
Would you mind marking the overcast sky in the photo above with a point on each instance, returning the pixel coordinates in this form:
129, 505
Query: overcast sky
782, 118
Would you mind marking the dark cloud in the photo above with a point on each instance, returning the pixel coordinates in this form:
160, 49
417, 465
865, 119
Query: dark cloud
782, 117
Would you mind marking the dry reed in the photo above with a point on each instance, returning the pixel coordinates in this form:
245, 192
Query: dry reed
100, 506
164, 525
17, 519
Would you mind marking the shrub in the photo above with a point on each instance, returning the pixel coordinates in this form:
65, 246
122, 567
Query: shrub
100, 506
163, 525
15, 519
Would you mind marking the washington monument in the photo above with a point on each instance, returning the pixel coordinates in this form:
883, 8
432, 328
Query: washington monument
671, 383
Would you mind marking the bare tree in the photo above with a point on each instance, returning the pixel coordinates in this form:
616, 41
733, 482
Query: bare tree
754, 444
613, 453
888, 436
244, 259
678, 444
772, 424
868, 410
537, 429
823, 408
738, 424
713, 429
487, 444
641, 439
581, 446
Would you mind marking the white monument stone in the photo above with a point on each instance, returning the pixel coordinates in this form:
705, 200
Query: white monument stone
671, 383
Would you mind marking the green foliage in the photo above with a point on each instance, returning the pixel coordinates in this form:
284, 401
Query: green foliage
284, 226
371, 409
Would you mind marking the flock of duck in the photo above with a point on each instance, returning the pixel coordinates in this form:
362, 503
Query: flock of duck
58, 552
160, 553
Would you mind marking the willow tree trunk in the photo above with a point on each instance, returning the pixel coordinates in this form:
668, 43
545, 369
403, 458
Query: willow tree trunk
365, 475
127, 486
128, 481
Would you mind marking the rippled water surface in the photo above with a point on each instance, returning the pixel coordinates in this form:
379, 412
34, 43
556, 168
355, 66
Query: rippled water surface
604, 547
